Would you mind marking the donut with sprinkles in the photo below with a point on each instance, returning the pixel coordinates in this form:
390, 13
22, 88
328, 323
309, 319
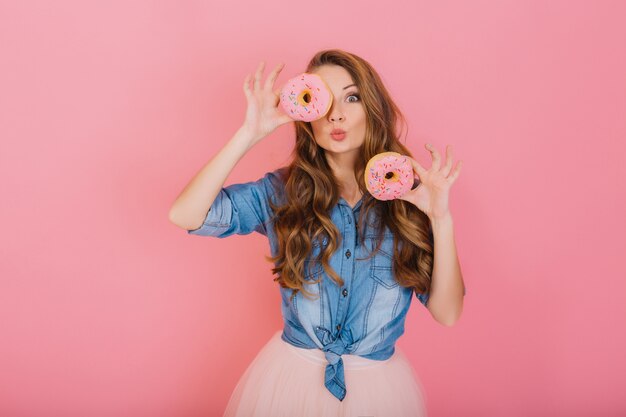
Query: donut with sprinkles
389, 175
306, 97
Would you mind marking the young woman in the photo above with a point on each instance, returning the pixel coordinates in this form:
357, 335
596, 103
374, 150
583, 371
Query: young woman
347, 264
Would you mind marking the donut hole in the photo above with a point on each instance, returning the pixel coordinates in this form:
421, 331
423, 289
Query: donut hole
389, 175
307, 98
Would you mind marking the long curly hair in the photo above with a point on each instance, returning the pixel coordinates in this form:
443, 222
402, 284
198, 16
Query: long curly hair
311, 191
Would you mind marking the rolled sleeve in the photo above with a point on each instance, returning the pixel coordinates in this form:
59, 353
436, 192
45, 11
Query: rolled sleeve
240, 209
218, 219
422, 297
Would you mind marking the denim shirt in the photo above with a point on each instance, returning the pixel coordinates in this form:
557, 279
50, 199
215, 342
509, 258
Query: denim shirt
364, 317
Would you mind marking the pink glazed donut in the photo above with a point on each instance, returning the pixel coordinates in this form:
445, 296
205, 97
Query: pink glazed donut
389, 175
306, 97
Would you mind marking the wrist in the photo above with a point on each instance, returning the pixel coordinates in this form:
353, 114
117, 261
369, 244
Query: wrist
245, 136
443, 220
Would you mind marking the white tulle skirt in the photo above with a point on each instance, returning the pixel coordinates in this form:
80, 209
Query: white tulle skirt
287, 381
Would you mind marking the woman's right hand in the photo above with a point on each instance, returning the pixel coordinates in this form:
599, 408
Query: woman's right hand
263, 114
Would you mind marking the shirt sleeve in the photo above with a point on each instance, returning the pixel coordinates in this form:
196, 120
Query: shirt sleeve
241, 208
424, 297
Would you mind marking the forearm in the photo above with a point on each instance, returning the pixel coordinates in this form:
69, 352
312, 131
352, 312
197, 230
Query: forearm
447, 288
193, 203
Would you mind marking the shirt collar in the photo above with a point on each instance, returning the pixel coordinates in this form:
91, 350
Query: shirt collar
343, 202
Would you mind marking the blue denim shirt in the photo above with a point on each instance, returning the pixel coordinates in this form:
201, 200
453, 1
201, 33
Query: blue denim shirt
364, 317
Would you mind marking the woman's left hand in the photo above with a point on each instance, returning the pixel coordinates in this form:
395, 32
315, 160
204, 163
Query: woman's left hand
431, 195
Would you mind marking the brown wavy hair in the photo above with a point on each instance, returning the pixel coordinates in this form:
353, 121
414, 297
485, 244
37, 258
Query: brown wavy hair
311, 191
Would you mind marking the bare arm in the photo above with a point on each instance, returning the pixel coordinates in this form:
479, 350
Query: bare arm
447, 288
192, 205
262, 117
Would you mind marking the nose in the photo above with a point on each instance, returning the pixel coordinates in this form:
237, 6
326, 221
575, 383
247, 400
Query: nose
335, 114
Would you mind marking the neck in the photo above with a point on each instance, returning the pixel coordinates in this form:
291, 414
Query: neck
342, 166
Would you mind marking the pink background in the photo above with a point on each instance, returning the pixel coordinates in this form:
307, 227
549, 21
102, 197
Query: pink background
108, 109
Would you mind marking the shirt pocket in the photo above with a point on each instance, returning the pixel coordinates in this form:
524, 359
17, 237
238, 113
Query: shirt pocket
384, 276
312, 267
312, 270
381, 269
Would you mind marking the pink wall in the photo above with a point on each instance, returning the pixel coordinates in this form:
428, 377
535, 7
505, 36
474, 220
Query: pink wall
108, 109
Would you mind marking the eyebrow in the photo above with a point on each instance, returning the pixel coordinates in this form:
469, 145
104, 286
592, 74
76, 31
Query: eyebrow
349, 86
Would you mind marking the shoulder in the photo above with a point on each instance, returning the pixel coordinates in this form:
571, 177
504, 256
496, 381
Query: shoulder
277, 178
272, 184
281, 174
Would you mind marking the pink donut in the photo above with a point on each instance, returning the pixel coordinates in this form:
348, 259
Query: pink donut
389, 175
306, 97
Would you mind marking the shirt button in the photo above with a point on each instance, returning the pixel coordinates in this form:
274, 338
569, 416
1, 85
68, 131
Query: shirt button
348, 254
344, 292
339, 327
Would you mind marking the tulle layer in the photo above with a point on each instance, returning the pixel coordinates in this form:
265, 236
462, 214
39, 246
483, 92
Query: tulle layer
286, 381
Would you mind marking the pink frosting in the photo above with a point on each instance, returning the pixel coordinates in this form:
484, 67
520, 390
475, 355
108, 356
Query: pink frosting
318, 104
384, 189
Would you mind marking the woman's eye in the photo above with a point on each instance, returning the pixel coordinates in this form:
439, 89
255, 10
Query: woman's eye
354, 95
